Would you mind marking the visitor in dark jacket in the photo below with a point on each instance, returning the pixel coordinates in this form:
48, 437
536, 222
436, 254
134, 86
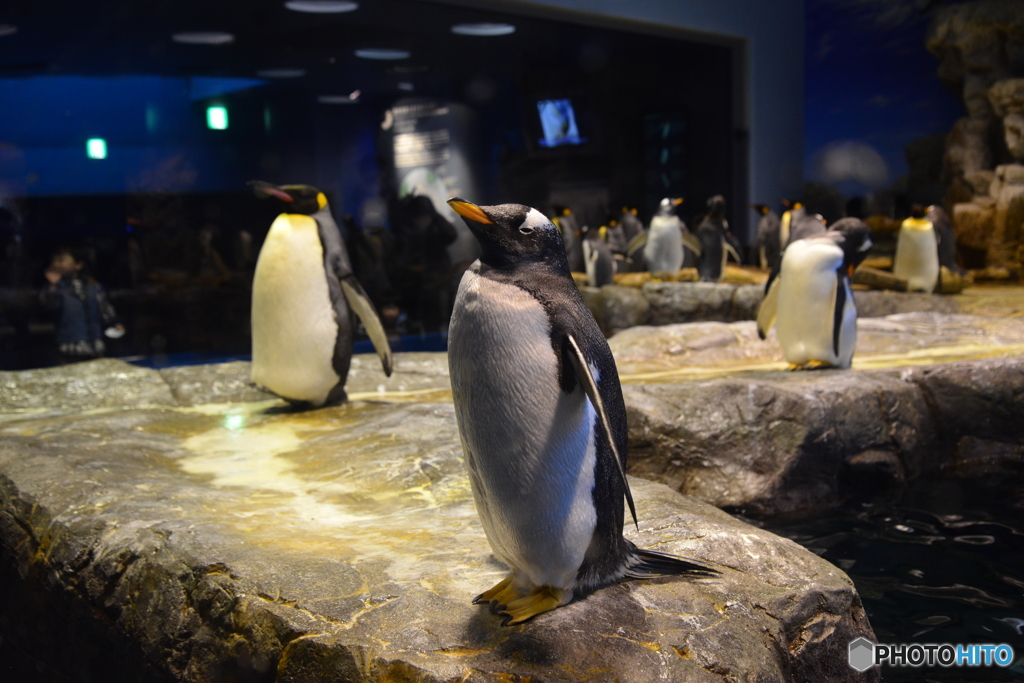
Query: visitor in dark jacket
83, 312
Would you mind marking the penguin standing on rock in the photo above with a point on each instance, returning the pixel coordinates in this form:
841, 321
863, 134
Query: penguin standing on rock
542, 420
571, 236
303, 293
917, 253
597, 259
715, 241
943, 227
768, 245
810, 302
664, 250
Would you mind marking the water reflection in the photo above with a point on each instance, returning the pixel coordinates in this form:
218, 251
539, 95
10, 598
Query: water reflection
944, 564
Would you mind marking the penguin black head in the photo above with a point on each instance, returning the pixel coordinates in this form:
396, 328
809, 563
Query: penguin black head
761, 209
304, 199
854, 237
512, 234
917, 211
716, 206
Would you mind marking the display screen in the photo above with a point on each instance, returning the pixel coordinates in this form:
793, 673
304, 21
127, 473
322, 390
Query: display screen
558, 121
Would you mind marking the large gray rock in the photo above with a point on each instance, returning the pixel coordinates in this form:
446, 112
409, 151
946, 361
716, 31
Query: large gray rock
102, 383
681, 302
772, 443
233, 543
213, 383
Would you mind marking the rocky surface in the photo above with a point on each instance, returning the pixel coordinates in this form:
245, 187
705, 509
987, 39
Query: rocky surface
618, 307
232, 542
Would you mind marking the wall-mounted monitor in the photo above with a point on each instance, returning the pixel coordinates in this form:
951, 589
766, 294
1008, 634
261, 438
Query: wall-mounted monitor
558, 123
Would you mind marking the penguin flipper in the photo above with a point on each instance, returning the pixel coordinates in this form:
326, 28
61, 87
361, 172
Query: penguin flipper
637, 243
837, 311
579, 363
691, 242
731, 250
363, 307
768, 310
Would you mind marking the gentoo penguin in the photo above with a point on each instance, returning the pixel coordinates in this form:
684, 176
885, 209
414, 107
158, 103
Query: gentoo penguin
769, 248
303, 292
571, 236
943, 227
663, 250
810, 302
597, 259
917, 253
542, 420
715, 244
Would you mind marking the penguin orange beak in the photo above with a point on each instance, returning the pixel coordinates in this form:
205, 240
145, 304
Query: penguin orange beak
468, 210
677, 202
267, 189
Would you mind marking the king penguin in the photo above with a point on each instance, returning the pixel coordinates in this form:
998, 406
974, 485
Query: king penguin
303, 291
597, 259
917, 253
769, 247
542, 420
571, 236
810, 302
715, 242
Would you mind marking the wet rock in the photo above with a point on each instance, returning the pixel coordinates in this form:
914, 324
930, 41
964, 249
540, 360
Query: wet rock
101, 383
974, 223
880, 303
214, 383
775, 443
232, 543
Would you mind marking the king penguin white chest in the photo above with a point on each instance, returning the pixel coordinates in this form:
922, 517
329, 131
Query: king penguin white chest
529, 445
917, 256
294, 329
808, 285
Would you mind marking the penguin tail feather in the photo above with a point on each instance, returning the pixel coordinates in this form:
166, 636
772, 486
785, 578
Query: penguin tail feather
650, 564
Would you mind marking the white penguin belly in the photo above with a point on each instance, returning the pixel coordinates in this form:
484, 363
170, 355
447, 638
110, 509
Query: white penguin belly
529, 446
293, 325
917, 259
806, 305
664, 248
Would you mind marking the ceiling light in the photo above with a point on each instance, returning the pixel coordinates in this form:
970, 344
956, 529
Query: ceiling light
7, 30
483, 29
204, 38
406, 86
322, 6
382, 53
281, 73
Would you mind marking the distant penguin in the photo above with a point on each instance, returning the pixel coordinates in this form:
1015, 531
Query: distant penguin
571, 236
917, 253
663, 251
943, 227
714, 244
769, 246
631, 224
542, 420
616, 236
810, 302
597, 259
302, 293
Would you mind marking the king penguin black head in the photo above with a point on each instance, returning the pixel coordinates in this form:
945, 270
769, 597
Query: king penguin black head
716, 206
512, 234
854, 240
304, 199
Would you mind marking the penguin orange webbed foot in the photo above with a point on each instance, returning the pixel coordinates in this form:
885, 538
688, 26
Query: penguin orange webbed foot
818, 365
541, 599
794, 366
500, 595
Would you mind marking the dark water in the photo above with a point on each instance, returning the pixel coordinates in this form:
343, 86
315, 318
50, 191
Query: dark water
942, 564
